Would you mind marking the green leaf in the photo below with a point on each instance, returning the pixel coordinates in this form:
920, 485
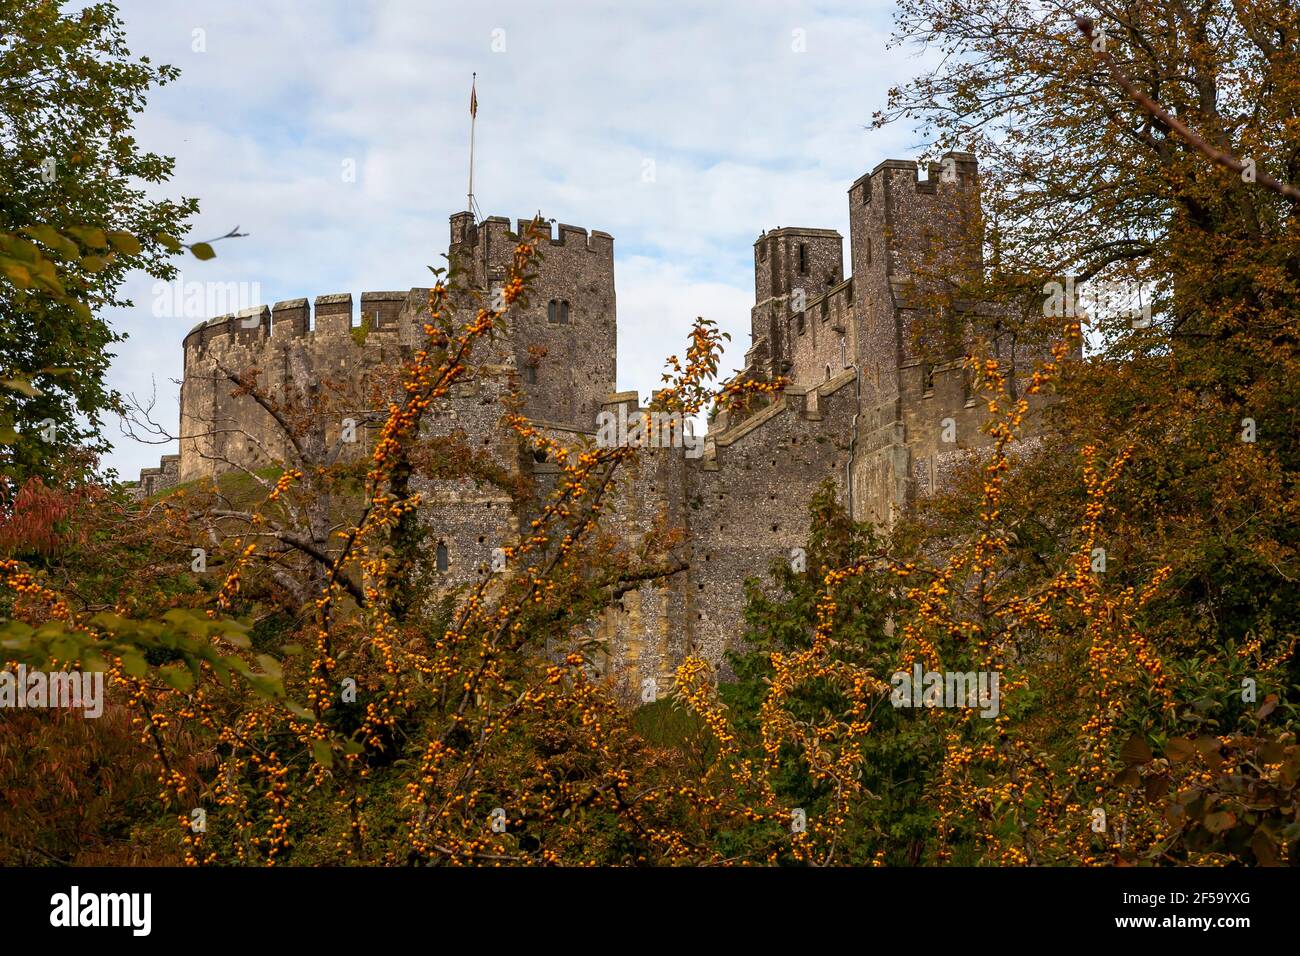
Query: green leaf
89, 236
133, 665
51, 630
320, 749
270, 665
238, 639
107, 621
92, 660
193, 623
298, 710
16, 273
8, 436
125, 243
15, 635
93, 264
49, 236
178, 677
19, 249
170, 243
202, 251
23, 385
263, 686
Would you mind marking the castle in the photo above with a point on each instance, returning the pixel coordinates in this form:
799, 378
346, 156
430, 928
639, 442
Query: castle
865, 408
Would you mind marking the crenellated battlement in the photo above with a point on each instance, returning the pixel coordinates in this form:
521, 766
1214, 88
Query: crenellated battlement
381, 313
495, 234
290, 346
563, 341
958, 169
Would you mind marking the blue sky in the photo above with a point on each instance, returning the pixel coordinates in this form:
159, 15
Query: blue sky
753, 113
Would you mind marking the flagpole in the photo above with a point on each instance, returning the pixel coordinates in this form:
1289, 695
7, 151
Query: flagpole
473, 118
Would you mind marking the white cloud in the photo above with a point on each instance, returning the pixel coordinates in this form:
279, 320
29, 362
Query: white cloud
658, 302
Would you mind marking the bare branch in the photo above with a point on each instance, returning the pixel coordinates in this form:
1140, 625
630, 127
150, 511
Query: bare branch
270, 408
1219, 156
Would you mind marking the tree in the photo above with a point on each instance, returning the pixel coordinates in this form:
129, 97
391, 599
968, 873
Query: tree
74, 220
468, 730
890, 823
1152, 158
1102, 162
1130, 576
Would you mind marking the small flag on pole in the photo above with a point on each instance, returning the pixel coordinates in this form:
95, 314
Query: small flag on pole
473, 119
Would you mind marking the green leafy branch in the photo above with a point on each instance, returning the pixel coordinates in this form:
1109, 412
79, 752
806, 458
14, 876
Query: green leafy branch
172, 649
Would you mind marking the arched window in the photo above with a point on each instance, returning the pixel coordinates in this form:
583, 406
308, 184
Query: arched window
564, 312
530, 374
550, 312
798, 321
443, 559
828, 371
803, 258
826, 310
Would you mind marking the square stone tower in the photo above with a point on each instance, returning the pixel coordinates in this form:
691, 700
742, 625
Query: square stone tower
565, 339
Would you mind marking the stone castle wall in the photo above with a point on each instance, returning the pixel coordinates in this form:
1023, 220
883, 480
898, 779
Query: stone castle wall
865, 408
565, 336
286, 354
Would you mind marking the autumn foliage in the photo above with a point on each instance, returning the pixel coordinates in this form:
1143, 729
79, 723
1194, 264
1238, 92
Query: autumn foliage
1129, 573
